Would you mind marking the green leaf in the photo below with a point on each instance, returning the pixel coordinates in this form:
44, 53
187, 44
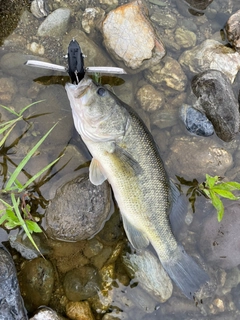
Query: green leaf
230, 186
225, 194
33, 226
10, 224
217, 203
210, 181
23, 224
25, 160
3, 218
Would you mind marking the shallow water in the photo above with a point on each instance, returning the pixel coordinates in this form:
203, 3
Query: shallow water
125, 300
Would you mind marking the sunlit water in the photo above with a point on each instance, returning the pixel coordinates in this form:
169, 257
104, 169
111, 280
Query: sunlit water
127, 301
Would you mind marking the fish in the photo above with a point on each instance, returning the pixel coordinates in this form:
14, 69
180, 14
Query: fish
125, 153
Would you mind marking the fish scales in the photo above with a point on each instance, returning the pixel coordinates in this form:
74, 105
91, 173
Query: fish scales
124, 153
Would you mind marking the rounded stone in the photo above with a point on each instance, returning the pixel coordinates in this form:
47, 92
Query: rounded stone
56, 24
78, 210
36, 281
82, 283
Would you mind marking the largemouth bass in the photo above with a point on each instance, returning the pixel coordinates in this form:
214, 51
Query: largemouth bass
125, 154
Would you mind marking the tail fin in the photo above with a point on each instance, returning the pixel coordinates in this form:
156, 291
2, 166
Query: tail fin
186, 273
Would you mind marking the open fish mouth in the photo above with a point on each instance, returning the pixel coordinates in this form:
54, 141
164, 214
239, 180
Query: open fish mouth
77, 91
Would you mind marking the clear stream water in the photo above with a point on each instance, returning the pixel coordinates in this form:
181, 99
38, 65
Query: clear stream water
18, 28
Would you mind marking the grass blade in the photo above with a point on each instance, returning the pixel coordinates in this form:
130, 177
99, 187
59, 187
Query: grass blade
22, 222
38, 174
27, 107
25, 160
10, 123
6, 135
10, 110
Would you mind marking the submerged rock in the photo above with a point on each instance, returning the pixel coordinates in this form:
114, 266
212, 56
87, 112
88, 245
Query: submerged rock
79, 310
56, 24
200, 5
211, 54
216, 99
36, 281
232, 28
11, 303
78, 210
130, 48
39, 8
167, 75
191, 157
195, 121
146, 269
81, 283
47, 314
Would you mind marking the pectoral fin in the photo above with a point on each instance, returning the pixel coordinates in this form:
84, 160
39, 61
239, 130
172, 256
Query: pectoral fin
136, 237
128, 159
96, 176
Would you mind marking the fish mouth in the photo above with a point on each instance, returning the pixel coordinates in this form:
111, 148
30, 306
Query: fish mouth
77, 91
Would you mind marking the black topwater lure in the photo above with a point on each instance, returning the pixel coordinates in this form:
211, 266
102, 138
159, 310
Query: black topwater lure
75, 62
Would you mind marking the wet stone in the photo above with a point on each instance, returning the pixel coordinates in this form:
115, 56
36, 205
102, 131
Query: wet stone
194, 156
132, 50
232, 28
195, 121
164, 20
216, 99
13, 63
81, 283
149, 98
79, 311
167, 75
8, 90
211, 54
36, 281
146, 269
78, 210
47, 314
185, 38
56, 24
11, 303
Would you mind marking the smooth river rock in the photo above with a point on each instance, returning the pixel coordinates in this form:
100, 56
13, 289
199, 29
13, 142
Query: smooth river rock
131, 49
146, 269
192, 157
79, 210
11, 303
232, 28
211, 54
195, 121
36, 281
167, 75
56, 24
216, 99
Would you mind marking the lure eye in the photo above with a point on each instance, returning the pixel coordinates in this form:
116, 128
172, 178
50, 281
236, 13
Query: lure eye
101, 92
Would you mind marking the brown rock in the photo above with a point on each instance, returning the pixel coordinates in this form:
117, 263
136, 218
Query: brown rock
79, 311
129, 47
233, 30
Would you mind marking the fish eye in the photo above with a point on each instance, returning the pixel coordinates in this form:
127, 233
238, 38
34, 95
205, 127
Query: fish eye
101, 92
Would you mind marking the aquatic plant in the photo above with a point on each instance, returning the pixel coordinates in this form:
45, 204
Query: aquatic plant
17, 212
212, 188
